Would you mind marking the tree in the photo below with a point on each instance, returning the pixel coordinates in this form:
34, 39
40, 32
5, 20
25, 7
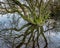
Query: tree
55, 10
35, 12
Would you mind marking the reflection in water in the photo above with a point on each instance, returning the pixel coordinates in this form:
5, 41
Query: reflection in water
53, 38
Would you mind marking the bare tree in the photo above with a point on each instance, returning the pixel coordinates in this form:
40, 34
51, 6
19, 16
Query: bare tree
35, 12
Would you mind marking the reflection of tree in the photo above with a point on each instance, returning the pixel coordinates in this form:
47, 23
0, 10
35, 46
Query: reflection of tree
36, 13
6, 34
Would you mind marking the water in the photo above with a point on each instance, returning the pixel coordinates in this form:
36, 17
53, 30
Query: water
6, 41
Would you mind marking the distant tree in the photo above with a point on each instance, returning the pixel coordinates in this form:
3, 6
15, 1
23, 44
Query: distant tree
55, 10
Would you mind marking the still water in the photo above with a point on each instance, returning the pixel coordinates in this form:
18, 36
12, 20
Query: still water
53, 37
